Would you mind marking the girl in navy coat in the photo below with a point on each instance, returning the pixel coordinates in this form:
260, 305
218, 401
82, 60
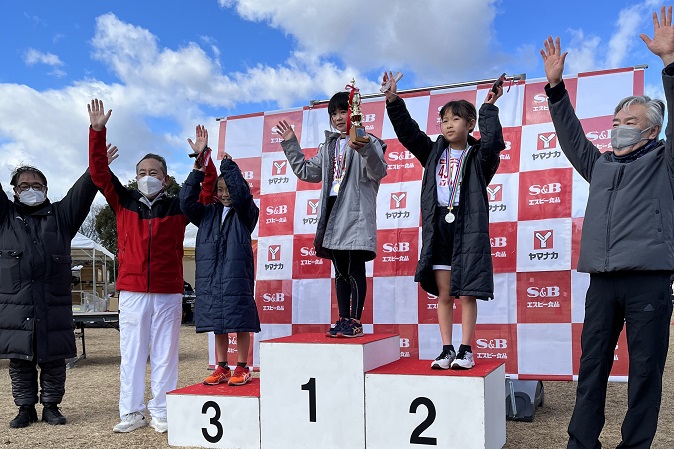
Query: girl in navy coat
224, 262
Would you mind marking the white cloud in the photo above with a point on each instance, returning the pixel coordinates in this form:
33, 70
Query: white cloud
174, 86
32, 57
442, 41
587, 52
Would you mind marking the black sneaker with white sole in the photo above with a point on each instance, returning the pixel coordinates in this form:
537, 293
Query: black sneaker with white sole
444, 360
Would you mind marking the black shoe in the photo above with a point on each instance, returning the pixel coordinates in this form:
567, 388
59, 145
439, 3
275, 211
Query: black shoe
27, 414
52, 415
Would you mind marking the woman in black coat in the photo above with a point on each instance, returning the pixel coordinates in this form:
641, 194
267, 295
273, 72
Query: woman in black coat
36, 316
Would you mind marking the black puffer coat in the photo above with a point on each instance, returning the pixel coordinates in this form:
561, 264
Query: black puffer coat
472, 270
35, 274
224, 255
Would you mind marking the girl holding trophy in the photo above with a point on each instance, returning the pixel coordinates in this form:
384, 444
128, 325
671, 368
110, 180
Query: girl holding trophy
351, 169
455, 260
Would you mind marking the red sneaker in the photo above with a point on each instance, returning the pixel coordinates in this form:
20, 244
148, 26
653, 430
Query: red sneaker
240, 376
219, 376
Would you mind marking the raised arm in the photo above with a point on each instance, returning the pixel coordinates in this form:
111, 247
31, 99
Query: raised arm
407, 130
4, 204
239, 193
309, 170
491, 140
99, 158
570, 135
662, 45
74, 207
203, 162
189, 197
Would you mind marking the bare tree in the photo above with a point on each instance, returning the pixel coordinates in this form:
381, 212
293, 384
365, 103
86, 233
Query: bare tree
88, 228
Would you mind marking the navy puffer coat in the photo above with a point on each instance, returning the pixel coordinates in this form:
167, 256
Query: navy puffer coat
224, 255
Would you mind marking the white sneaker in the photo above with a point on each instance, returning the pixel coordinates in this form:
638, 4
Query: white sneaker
443, 360
465, 362
130, 422
160, 425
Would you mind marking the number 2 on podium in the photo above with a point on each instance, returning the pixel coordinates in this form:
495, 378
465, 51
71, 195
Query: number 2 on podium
311, 388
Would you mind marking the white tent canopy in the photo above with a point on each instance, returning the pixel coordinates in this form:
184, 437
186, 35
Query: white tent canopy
84, 245
85, 250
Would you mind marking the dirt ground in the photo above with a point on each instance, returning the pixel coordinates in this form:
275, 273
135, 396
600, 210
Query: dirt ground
92, 392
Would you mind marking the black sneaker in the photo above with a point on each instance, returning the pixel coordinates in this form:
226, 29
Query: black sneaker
335, 331
52, 415
351, 329
27, 415
444, 360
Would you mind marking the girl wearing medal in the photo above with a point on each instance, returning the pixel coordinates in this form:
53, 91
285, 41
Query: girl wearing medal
455, 260
347, 223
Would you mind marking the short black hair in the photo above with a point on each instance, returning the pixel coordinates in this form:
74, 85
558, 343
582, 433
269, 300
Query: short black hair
338, 101
156, 157
26, 169
461, 108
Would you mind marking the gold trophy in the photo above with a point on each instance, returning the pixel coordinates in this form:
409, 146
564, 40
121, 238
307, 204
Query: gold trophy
357, 130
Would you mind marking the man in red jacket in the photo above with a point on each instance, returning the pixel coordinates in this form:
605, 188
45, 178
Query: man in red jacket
150, 234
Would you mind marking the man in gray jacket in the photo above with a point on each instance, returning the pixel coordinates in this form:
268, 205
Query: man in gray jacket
627, 246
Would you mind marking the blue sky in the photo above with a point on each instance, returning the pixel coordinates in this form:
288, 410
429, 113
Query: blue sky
163, 67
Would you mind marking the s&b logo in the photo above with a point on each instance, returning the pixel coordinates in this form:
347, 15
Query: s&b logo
498, 242
400, 155
543, 292
274, 297
496, 343
400, 247
545, 189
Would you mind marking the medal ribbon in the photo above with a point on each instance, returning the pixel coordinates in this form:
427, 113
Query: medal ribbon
340, 160
455, 175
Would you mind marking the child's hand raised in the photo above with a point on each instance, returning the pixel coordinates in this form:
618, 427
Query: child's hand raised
492, 97
392, 88
284, 130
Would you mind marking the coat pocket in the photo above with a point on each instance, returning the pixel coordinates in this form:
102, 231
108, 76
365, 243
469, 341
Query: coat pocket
61, 275
10, 271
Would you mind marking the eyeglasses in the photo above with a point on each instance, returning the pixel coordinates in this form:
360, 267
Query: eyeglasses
24, 186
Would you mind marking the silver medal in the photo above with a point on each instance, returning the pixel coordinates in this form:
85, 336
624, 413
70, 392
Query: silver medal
449, 218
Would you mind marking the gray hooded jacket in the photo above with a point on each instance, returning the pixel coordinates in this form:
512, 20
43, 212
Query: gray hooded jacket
352, 225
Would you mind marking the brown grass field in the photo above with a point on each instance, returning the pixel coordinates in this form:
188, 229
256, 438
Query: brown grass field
92, 392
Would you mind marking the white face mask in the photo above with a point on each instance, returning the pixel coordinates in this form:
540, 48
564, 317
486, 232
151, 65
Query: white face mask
149, 186
32, 197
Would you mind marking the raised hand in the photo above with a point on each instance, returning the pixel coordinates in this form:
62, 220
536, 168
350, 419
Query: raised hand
97, 116
492, 97
553, 60
662, 43
201, 139
284, 130
112, 153
390, 93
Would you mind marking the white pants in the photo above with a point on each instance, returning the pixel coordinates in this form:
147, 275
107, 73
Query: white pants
149, 323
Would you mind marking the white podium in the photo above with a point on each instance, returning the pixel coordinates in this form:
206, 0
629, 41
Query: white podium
215, 416
312, 388
408, 405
